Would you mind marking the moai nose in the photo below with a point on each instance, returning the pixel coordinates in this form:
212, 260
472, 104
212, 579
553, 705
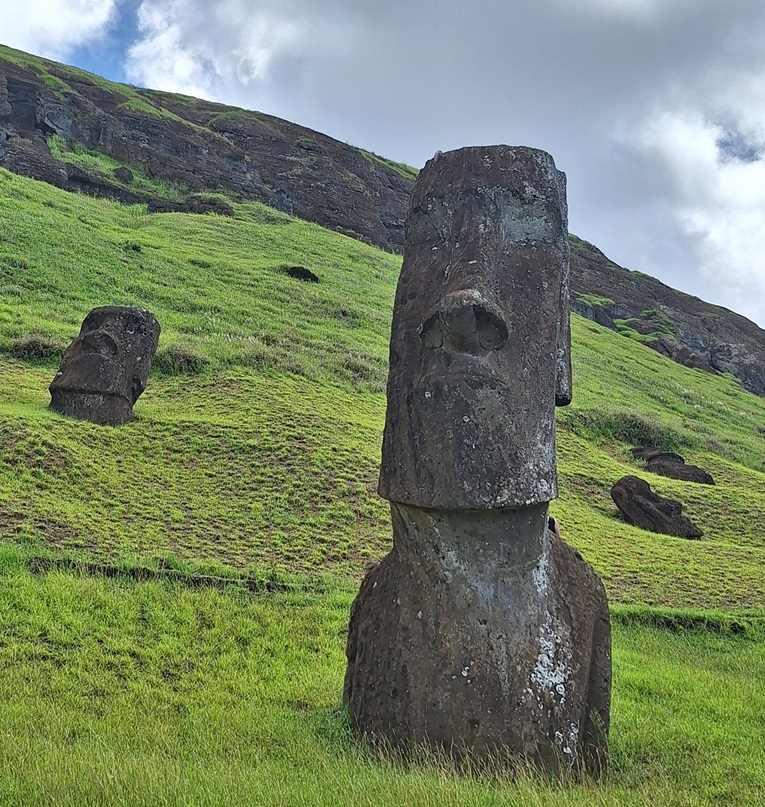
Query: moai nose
458, 326
464, 324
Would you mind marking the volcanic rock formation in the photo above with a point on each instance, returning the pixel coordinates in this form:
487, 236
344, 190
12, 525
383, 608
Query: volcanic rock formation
482, 634
107, 366
201, 147
197, 145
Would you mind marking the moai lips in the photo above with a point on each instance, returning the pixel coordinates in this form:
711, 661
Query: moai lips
106, 367
481, 634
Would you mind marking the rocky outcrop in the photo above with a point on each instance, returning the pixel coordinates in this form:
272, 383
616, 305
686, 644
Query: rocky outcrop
198, 145
679, 326
643, 508
203, 147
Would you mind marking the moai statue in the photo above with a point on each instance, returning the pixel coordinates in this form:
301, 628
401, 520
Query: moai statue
481, 634
107, 366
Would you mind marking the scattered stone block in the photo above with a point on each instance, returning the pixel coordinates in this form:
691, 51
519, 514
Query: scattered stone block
301, 273
643, 508
671, 465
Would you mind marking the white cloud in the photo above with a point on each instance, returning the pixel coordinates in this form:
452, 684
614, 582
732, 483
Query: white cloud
53, 28
655, 109
216, 50
647, 11
719, 204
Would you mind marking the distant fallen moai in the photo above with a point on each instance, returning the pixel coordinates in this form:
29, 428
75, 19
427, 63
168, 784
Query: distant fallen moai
481, 634
107, 366
642, 507
667, 463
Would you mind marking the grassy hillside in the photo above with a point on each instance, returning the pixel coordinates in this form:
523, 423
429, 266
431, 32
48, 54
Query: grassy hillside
255, 456
258, 439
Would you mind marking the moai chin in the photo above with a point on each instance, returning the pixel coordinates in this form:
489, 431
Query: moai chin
107, 366
481, 634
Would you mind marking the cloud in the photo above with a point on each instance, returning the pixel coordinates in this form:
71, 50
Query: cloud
224, 49
54, 28
630, 10
718, 189
655, 110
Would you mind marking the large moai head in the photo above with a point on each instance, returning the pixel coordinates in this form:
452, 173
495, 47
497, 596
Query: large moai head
107, 366
480, 342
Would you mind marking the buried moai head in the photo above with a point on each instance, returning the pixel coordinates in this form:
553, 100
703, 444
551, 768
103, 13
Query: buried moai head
107, 366
480, 338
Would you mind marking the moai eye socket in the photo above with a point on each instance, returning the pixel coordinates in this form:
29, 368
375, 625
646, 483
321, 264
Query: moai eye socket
431, 334
134, 325
492, 332
91, 323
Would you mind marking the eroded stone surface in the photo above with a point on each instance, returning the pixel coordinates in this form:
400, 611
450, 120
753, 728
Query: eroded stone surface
481, 634
480, 336
484, 635
671, 465
644, 508
106, 367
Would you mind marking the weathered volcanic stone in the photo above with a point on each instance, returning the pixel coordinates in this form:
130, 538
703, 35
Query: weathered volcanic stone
666, 463
107, 366
643, 508
481, 634
479, 350
680, 470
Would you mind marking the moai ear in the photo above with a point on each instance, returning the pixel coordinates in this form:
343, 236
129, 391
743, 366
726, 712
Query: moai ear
563, 358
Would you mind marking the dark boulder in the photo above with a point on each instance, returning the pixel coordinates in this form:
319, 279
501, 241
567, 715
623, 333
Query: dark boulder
643, 508
679, 470
301, 273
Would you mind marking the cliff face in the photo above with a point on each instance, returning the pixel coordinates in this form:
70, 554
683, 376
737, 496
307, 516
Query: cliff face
199, 147
83, 133
684, 328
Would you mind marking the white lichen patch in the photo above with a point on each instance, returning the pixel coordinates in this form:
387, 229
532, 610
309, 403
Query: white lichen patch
552, 668
540, 574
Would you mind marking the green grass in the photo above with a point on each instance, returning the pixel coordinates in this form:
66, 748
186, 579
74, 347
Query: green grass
404, 170
256, 454
100, 163
258, 438
118, 692
61, 78
595, 300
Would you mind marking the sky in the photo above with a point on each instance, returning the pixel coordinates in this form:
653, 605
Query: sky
655, 109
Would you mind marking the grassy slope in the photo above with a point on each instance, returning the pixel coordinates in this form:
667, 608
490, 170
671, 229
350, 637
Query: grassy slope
148, 693
269, 455
264, 458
